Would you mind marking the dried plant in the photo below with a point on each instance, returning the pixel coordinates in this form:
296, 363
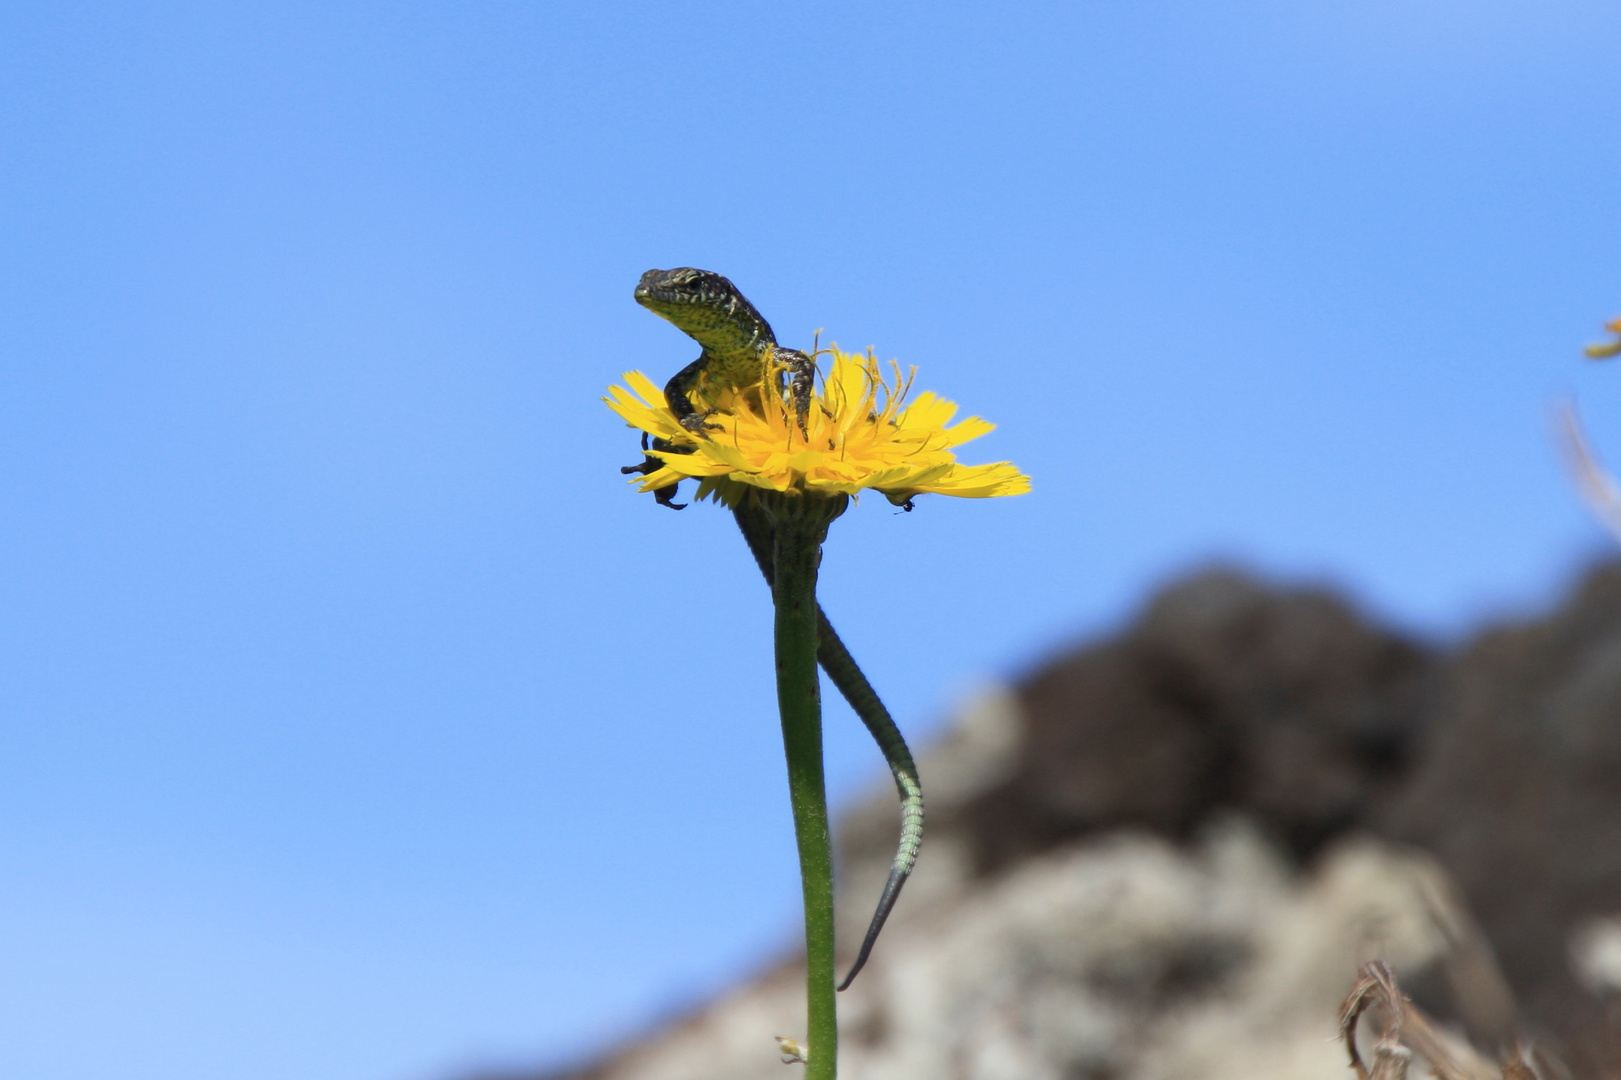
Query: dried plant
1405, 1034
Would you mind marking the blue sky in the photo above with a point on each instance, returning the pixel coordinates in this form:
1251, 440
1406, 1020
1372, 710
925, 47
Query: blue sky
359, 724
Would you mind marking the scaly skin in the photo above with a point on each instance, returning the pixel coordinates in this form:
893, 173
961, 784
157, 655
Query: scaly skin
736, 342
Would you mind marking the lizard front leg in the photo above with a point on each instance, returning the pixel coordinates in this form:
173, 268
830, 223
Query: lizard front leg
675, 396
801, 370
681, 407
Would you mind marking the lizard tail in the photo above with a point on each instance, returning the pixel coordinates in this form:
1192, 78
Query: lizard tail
841, 668
886, 902
843, 671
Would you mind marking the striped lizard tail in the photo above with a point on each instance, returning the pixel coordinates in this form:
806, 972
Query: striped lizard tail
845, 674
841, 668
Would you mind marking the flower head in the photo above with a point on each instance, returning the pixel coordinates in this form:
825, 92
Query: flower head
860, 432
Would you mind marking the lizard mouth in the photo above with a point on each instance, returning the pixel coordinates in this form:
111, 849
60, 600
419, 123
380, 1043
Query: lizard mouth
645, 296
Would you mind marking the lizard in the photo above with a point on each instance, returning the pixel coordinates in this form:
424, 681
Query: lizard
736, 342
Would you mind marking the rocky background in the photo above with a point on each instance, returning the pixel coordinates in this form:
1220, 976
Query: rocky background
1165, 855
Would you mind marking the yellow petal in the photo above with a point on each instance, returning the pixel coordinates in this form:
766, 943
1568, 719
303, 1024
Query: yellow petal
861, 433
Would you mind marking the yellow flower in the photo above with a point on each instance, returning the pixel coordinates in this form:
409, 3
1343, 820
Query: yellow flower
1608, 348
860, 433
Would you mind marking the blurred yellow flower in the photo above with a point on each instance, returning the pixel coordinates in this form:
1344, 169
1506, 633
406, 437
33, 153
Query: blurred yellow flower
1608, 348
860, 433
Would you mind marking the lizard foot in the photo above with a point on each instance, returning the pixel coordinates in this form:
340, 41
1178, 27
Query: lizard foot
695, 423
665, 496
801, 371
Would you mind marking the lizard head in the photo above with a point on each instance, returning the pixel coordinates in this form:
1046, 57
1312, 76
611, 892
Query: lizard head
705, 305
665, 292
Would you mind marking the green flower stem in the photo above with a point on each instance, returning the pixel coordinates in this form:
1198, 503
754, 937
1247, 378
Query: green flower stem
847, 675
799, 524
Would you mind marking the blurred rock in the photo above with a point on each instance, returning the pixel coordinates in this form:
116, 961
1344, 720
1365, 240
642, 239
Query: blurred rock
1518, 794
1226, 695
1164, 855
1126, 957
